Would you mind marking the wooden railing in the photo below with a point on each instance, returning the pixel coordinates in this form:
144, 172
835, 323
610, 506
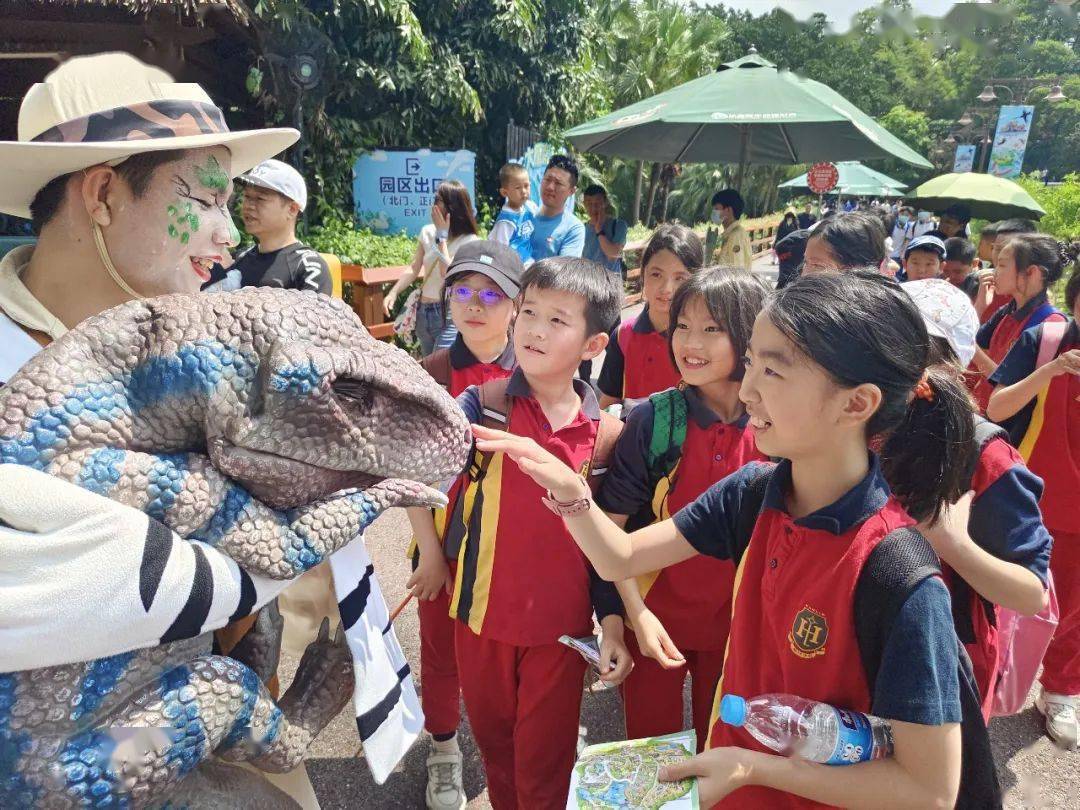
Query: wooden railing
369, 283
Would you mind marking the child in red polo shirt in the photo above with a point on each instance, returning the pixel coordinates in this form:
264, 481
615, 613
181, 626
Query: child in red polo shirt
680, 615
638, 362
1004, 562
1025, 266
521, 582
834, 359
1038, 399
482, 284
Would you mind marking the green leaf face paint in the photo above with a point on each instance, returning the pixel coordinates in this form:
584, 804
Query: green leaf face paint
211, 175
183, 223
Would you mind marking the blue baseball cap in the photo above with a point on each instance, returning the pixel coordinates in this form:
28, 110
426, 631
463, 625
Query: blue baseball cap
926, 242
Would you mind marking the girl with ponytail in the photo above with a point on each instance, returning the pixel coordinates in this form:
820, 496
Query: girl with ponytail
1037, 398
1027, 264
1004, 561
835, 362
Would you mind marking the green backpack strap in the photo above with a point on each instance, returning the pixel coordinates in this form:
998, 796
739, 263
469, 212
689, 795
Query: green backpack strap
668, 432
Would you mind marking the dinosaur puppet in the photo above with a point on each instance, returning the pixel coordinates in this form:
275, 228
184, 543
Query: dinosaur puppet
266, 425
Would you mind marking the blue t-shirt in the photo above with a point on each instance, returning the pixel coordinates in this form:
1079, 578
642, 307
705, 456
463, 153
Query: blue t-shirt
562, 235
519, 228
615, 231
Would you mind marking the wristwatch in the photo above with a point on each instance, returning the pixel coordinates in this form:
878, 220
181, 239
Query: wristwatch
578, 506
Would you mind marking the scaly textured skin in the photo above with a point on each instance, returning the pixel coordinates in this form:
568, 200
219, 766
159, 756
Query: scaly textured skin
233, 418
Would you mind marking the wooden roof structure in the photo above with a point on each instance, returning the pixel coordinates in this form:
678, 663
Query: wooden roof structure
212, 42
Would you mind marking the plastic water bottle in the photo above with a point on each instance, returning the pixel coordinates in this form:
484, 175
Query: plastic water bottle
797, 727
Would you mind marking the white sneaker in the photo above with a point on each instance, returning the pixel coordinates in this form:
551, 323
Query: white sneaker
444, 788
1060, 714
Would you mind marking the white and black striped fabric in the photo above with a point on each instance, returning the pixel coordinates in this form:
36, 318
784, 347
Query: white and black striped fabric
388, 714
83, 577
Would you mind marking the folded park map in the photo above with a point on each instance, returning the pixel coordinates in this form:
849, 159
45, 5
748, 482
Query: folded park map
624, 774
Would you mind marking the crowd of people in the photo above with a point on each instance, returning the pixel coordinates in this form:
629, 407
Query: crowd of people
720, 496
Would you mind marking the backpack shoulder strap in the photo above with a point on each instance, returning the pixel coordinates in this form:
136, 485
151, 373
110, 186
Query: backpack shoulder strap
668, 431
896, 566
607, 434
437, 364
750, 507
1053, 332
494, 403
899, 564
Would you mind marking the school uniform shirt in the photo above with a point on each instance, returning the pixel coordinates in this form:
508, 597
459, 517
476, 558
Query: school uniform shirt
466, 370
293, 267
734, 250
520, 577
637, 362
1005, 521
692, 598
792, 625
1047, 432
998, 334
996, 303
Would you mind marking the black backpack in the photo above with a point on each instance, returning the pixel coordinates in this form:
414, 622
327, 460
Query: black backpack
897, 565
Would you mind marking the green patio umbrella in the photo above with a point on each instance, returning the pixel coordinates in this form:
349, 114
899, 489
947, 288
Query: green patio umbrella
856, 180
746, 112
986, 196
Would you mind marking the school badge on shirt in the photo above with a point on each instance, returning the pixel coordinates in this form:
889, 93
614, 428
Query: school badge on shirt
809, 632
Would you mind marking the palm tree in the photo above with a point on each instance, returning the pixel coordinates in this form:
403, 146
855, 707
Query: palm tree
653, 45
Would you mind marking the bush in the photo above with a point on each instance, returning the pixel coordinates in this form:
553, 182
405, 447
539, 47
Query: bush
341, 238
1062, 204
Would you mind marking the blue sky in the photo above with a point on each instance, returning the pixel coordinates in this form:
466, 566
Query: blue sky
839, 12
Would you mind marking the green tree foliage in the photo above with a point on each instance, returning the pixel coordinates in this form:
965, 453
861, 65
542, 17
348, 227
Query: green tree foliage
1061, 202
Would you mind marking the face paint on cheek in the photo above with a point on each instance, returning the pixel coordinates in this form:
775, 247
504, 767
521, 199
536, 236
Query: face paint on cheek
183, 222
212, 175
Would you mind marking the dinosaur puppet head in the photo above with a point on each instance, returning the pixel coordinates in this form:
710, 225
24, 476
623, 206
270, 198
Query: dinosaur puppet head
285, 391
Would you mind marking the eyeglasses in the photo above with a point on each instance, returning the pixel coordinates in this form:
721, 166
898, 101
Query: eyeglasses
488, 297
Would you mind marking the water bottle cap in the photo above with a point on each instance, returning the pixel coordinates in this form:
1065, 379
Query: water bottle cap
733, 710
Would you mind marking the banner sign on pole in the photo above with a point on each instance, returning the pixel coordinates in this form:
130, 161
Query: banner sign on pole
822, 177
965, 157
1010, 140
393, 190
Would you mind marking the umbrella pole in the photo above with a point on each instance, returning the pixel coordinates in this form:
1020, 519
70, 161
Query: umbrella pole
744, 152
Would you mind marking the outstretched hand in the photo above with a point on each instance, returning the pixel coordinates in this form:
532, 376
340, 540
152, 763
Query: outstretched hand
536, 462
654, 641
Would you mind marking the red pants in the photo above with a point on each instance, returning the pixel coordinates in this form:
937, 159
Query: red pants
653, 696
524, 706
438, 666
1061, 664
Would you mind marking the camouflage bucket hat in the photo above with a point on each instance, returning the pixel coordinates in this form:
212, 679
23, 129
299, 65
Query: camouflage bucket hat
106, 108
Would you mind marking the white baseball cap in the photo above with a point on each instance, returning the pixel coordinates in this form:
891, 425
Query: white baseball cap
948, 313
278, 176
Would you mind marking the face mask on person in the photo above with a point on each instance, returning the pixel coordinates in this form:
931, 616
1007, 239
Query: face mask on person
903, 219
924, 216
716, 218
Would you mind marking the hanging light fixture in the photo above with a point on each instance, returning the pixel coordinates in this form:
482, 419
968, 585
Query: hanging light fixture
987, 95
950, 139
965, 119
1055, 94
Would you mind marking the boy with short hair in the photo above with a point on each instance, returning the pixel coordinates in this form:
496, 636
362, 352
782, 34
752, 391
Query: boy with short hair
514, 224
961, 266
923, 257
521, 582
481, 284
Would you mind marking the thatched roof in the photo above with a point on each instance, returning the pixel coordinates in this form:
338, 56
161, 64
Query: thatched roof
189, 10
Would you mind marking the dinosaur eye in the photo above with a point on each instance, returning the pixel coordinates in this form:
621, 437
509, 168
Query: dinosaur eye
354, 392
